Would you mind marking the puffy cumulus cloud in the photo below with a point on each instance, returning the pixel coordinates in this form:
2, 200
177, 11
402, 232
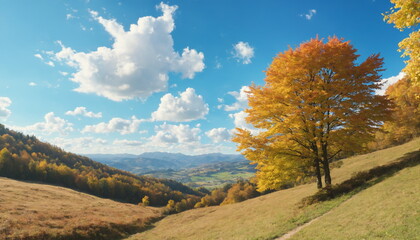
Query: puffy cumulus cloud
137, 64
32, 84
240, 122
388, 82
309, 15
120, 125
83, 112
218, 135
168, 134
51, 124
243, 52
241, 99
5, 102
187, 107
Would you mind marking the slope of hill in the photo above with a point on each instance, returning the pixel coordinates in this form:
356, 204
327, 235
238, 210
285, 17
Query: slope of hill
388, 210
39, 211
271, 215
26, 158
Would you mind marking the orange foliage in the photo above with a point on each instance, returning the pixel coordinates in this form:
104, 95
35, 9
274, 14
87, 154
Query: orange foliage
316, 104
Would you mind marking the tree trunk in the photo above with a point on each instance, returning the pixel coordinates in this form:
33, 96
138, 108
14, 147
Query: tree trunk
327, 174
318, 173
326, 165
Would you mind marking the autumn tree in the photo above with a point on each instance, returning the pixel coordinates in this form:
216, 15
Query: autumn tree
317, 102
405, 122
145, 201
406, 14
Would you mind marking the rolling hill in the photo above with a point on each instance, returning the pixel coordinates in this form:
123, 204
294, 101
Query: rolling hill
388, 210
274, 214
26, 158
40, 211
384, 209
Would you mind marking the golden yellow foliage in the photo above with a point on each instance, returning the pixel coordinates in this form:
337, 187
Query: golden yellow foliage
316, 104
406, 14
405, 122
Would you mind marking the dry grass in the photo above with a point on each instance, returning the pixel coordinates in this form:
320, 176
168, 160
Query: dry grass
267, 216
38, 211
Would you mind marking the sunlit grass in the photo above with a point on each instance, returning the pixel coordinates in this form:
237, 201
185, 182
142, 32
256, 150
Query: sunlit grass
270, 215
39, 211
388, 210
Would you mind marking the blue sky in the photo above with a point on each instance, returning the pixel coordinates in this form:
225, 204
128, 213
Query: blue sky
125, 76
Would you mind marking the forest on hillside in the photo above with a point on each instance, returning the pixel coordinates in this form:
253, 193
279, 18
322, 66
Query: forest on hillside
27, 158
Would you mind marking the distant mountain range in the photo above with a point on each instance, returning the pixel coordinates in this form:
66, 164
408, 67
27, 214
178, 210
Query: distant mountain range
157, 161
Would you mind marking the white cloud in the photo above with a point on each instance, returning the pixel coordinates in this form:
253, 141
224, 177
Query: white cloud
69, 16
32, 84
243, 52
126, 142
5, 102
309, 15
241, 99
51, 124
85, 145
239, 121
82, 111
388, 82
187, 107
63, 73
80, 145
182, 138
139, 61
218, 135
168, 134
39, 56
122, 126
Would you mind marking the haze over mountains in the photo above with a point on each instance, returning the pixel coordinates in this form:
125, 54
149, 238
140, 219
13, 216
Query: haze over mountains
206, 170
155, 161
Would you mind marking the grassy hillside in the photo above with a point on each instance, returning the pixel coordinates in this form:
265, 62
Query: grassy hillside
271, 215
38, 211
388, 210
26, 158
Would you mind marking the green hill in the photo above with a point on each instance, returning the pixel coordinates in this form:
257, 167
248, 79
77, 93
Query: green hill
388, 210
275, 214
24, 157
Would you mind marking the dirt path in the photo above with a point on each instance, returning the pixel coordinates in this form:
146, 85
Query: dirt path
296, 230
